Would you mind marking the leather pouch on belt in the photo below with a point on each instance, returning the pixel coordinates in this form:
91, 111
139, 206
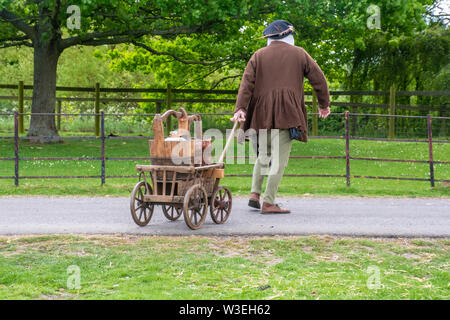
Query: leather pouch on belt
294, 133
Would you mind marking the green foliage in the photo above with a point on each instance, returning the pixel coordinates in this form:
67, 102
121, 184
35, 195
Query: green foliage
409, 51
215, 39
335, 34
77, 68
122, 16
43, 25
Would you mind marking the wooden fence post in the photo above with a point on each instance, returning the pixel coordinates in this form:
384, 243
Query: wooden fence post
102, 137
16, 148
58, 116
347, 149
430, 149
354, 119
169, 106
20, 96
97, 109
158, 107
315, 118
392, 112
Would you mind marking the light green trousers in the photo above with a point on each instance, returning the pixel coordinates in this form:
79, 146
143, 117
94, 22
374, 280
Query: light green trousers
273, 155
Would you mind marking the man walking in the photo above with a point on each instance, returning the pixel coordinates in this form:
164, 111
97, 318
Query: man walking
271, 102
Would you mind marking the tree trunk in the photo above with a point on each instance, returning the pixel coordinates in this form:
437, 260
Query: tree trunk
44, 94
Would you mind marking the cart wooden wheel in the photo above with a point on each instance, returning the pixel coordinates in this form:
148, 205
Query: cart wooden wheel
221, 202
172, 212
195, 206
141, 211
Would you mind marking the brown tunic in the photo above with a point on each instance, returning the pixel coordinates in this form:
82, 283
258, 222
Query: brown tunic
271, 91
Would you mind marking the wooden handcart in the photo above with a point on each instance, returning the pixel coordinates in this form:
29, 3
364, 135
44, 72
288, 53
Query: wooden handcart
180, 179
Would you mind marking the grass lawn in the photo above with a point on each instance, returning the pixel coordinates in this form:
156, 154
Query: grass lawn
135, 267
290, 186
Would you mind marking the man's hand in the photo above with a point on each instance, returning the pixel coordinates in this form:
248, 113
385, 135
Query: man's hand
239, 116
323, 113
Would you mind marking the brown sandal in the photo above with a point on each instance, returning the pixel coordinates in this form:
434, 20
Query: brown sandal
273, 208
254, 201
254, 204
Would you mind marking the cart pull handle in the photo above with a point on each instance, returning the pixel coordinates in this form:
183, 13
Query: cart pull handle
184, 123
182, 114
228, 142
176, 114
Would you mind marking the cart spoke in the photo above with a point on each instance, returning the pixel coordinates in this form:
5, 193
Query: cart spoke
143, 210
171, 212
195, 217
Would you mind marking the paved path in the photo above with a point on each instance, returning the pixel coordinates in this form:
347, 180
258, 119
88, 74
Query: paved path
384, 217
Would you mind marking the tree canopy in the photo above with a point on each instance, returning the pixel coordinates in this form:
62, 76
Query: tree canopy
192, 43
47, 27
410, 41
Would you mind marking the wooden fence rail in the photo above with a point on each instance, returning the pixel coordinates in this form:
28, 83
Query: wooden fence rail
169, 100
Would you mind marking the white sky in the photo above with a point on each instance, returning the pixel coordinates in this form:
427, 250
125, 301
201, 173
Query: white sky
445, 5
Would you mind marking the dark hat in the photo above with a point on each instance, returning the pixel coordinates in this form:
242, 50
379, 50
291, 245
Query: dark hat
278, 29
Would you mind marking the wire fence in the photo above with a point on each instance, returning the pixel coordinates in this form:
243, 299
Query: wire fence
346, 116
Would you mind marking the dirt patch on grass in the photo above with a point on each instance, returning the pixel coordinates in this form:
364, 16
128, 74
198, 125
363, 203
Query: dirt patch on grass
421, 257
59, 295
229, 248
11, 253
241, 247
333, 257
307, 249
